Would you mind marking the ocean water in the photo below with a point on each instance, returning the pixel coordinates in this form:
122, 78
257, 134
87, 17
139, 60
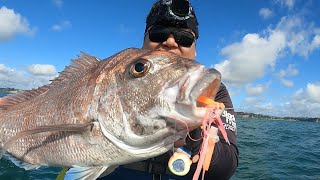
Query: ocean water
278, 150
268, 149
3, 94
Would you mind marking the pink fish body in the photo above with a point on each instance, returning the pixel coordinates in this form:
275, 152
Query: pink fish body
99, 114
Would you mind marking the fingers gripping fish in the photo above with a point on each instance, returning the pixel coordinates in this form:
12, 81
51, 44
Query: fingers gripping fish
99, 114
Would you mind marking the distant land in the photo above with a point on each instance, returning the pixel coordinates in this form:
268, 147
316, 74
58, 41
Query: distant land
247, 115
244, 115
9, 90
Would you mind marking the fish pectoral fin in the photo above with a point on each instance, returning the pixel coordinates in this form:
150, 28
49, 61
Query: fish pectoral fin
88, 173
109, 170
21, 164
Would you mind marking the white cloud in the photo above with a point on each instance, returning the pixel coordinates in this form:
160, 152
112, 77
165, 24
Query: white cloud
249, 59
302, 38
42, 69
33, 78
287, 83
313, 92
289, 72
9, 77
58, 3
265, 13
257, 89
4, 69
63, 25
315, 42
265, 107
5, 72
256, 54
305, 102
12, 23
287, 3
250, 100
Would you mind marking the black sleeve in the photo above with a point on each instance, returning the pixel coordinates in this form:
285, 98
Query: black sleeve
225, 156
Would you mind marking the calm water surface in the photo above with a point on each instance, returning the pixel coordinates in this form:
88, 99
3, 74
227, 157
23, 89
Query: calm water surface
268, 150
278, 150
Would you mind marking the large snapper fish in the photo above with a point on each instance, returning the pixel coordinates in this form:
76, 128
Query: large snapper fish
98, 115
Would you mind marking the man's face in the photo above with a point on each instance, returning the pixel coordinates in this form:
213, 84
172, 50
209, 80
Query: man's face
170, 44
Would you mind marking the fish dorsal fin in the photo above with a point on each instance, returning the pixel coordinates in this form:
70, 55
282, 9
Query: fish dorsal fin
77, 67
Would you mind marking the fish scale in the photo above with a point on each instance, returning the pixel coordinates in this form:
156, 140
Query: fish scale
98, 114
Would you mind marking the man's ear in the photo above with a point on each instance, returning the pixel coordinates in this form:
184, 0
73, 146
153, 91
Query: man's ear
195, 53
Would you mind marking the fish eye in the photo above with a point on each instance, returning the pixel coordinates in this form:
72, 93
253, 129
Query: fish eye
140, 68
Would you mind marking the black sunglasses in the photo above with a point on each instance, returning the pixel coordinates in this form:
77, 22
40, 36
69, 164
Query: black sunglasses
160, 34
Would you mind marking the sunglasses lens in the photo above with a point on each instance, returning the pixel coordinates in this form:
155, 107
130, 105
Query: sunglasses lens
160, 34
184, 38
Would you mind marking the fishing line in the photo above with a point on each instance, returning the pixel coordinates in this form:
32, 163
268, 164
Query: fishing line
188, 130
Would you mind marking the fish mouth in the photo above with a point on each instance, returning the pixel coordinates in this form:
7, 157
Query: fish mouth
188, 113
202, 82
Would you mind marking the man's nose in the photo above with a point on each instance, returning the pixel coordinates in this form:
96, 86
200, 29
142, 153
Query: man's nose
170, 42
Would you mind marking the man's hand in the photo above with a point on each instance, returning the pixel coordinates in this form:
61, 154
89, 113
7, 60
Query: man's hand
179, 143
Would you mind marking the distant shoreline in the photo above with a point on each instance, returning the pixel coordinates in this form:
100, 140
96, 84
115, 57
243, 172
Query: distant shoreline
246, 115
9, 90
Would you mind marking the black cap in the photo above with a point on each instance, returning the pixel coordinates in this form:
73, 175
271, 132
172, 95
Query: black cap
173, 13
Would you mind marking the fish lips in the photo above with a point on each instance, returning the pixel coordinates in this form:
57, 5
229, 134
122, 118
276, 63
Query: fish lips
188, 114
202, 82
208, 86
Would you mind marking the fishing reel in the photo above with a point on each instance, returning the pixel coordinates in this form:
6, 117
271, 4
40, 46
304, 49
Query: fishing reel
180, 162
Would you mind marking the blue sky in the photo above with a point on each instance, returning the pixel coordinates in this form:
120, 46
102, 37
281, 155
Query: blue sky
267, 51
